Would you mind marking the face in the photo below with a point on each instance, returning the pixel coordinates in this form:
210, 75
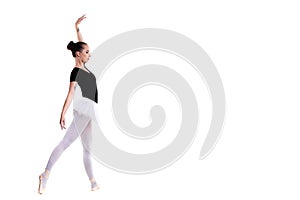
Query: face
84, 55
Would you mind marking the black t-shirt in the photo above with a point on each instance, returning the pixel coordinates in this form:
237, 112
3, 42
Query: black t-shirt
86, 81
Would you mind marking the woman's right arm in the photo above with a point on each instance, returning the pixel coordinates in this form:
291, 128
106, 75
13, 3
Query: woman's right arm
79, 35
67, 104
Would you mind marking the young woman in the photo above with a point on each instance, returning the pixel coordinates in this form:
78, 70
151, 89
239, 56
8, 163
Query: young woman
83, 109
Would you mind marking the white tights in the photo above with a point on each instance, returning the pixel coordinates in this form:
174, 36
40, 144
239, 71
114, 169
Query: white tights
70, 136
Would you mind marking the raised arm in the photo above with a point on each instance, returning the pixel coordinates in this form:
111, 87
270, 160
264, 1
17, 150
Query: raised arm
79, 36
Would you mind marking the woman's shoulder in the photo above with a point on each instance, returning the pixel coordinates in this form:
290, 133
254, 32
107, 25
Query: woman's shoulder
75, 69
74, 74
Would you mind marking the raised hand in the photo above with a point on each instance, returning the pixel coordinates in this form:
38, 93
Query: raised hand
79, 21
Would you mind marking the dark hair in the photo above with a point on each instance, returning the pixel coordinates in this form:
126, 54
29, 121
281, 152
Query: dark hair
74, 47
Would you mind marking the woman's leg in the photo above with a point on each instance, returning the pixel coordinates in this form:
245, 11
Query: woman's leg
70, 136
86, 138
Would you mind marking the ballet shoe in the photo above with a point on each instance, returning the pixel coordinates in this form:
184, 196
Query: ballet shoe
42, 182
94, 186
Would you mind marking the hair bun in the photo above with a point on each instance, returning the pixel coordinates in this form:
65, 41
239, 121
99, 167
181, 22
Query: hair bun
71, 45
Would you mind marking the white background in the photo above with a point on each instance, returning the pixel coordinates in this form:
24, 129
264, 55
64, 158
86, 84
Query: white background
255, 47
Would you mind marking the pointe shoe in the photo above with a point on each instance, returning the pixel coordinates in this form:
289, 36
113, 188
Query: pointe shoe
94, 186
42, 182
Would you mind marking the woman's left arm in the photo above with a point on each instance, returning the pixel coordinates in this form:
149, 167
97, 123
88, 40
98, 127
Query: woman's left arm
79, 36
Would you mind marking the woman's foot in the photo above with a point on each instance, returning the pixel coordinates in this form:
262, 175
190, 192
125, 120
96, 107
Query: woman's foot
94, 185
43, 178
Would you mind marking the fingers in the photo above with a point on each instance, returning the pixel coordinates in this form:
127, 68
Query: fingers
62, 127
80, 19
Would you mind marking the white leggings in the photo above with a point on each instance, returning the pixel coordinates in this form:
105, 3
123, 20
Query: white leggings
70, 136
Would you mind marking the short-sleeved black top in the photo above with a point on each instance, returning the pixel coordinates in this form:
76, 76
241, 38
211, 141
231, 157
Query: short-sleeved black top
86, 81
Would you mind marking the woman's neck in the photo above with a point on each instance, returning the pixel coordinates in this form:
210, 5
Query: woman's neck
79, 63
